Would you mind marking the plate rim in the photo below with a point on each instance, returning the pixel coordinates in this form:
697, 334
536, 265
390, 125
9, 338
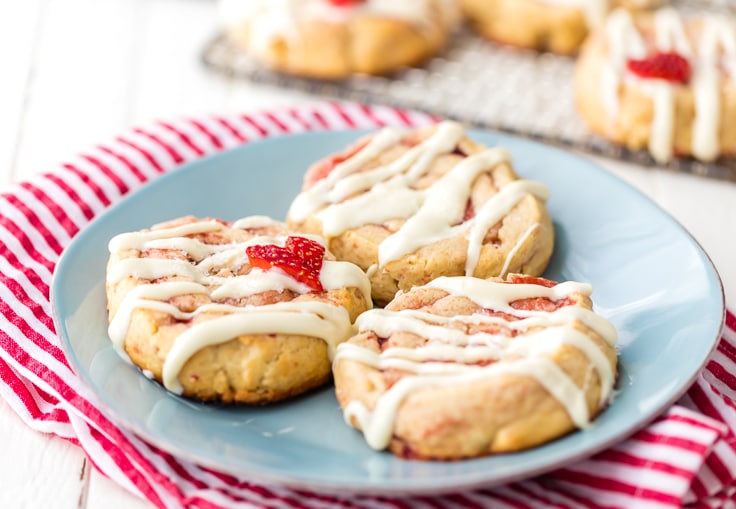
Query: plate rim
320, 486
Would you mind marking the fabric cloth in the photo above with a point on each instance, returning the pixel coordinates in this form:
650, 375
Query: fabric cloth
686, 457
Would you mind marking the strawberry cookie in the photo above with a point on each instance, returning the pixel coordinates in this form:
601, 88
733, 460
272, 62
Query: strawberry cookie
333, 39
410, 206
243, 312
559, 26
465, 367
662, 82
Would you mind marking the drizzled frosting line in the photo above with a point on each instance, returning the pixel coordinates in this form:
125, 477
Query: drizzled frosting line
378, 433
330, 323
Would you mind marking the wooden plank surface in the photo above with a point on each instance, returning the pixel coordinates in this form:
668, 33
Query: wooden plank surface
37, 470
80, 93
19, 34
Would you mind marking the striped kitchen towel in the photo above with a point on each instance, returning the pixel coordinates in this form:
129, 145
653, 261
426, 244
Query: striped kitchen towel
686, 457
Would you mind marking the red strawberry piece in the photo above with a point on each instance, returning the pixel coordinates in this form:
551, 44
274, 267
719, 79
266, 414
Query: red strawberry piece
312, 253
300, 258
345, 3
665, 66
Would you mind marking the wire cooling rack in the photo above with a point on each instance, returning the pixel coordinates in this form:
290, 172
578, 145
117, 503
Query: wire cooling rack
482, 84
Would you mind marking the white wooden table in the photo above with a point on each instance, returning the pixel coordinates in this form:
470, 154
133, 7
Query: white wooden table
74, 73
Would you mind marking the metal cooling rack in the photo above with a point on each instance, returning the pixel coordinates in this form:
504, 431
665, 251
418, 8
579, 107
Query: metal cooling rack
480, 84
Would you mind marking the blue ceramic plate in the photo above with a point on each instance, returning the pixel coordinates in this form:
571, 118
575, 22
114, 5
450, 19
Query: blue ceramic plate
650, 278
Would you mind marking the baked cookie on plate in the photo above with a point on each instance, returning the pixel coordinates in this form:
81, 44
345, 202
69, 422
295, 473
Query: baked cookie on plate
243, 312
559, 26
662, 82
465, 367
334, 39
410, 206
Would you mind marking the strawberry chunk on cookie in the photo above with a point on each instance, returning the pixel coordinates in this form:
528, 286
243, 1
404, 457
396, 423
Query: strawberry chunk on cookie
300, 258
668, 66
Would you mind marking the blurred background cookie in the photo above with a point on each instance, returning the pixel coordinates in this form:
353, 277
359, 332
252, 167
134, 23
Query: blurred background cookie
333, 39
410, 206
662, 82
242, 312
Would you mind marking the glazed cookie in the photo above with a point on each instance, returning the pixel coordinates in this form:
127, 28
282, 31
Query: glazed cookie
333, 39
559, 26
465, 367
410, 206
242, 312
662, 82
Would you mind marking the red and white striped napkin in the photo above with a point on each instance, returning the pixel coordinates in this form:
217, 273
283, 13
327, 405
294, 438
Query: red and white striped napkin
687, 457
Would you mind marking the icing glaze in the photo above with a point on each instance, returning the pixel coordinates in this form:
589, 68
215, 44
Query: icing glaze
348, 198
512, 253
217, 321
453, 356
712, 49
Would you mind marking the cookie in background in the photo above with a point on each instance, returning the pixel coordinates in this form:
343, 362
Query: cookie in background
662, 81
335, 39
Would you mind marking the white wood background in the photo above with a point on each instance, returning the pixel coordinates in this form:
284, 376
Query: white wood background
74, 73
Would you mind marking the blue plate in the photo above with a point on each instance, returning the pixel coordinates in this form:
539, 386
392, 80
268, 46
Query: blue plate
650, 278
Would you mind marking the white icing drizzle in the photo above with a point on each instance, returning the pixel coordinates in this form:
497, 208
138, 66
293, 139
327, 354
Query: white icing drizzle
348, 198
717, 34
669, 32
318, 319
335, 275
257, 281
561, 316
493, 211
378, 435
624, 42
663, 122
478, 290
595, 10
312, 318
715, 48
148, 297
254, 222
137, 240
510, 256
154, 268
450, 354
